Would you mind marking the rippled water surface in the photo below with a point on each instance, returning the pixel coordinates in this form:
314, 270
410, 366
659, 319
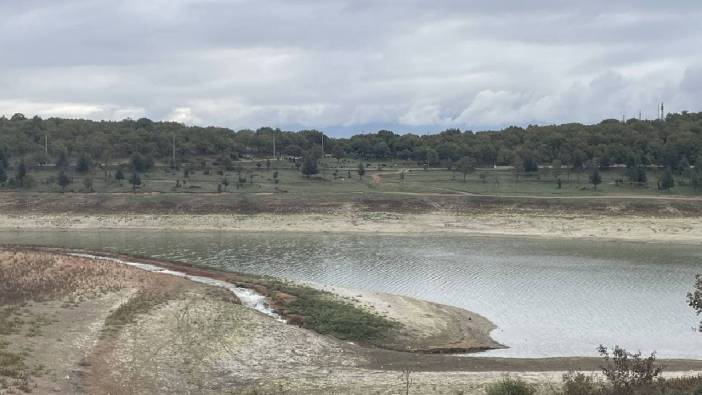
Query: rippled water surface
548, 298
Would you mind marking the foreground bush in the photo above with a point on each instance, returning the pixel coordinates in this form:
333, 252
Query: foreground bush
510, 386
628, 373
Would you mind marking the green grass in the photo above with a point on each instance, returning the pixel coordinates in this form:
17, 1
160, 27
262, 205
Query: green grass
390, 176
327, 314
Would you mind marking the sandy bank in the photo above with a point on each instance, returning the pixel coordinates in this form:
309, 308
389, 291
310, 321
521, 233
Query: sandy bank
427, 326
674, 229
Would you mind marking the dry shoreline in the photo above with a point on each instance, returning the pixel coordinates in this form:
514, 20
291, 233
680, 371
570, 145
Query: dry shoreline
674, 229
130, 330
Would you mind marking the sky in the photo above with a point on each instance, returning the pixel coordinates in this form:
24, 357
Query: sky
350, 66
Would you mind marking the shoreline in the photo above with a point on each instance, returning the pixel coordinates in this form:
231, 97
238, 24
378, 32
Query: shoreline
451, 330
147, 317
677, 230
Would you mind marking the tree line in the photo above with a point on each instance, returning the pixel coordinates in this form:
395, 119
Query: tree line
674, 142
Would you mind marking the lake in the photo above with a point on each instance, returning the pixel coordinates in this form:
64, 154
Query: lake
548, 297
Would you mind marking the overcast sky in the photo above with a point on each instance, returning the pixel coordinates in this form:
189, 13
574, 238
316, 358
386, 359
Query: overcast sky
350, 66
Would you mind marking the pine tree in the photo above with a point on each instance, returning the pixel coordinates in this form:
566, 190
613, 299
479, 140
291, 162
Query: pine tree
595, 177
667, 181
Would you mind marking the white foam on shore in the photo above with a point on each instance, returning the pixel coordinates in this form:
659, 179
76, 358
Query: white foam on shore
248, 297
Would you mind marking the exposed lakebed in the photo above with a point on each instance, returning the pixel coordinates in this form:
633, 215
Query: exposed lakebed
548, 298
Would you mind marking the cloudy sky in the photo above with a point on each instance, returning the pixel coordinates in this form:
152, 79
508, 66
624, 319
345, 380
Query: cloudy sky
350, 66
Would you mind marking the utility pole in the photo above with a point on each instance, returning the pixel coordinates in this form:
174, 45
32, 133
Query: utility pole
274, 157
662, 111
46, 145
322, 144
173, 160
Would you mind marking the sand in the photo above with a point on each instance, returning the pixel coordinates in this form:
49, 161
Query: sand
673, 229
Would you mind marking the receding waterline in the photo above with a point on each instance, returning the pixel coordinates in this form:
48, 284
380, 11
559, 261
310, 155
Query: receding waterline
248, 297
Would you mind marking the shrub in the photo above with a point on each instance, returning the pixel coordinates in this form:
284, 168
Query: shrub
576, 383
626, 371
510, 386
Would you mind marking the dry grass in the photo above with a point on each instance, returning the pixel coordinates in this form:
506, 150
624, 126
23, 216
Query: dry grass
30, 278
37, 276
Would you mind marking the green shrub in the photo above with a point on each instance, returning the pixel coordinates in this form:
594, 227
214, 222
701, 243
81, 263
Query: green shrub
510, 386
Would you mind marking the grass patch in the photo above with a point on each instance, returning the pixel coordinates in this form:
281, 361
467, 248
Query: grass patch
10, 321
128, 312
510, 386
326, 314
14, 372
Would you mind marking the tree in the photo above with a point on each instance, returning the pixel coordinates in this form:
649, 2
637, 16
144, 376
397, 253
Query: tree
140, 163
683, 166
226, 162
465, 165
529, 164
63, 180
627, 371
361, 170
294, 151
3, 174
636, 173
18, 117
309, 166
62, 160
119, 175
694, 298
135, 180
84, 164
338, 153
595, 177
88, 184
667, 181
696, 177
432, 157
556, 166
21, 174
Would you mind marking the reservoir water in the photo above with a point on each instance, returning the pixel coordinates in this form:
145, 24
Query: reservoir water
547, 297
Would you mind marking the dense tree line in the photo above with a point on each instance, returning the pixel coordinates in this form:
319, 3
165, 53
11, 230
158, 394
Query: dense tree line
675, 142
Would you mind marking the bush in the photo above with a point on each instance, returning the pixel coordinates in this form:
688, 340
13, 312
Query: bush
576, 383
510, 386
626, 371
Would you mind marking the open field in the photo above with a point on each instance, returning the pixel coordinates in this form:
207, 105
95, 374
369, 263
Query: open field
342, 177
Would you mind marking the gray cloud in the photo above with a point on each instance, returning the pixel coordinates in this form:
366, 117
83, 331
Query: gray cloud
349, 65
